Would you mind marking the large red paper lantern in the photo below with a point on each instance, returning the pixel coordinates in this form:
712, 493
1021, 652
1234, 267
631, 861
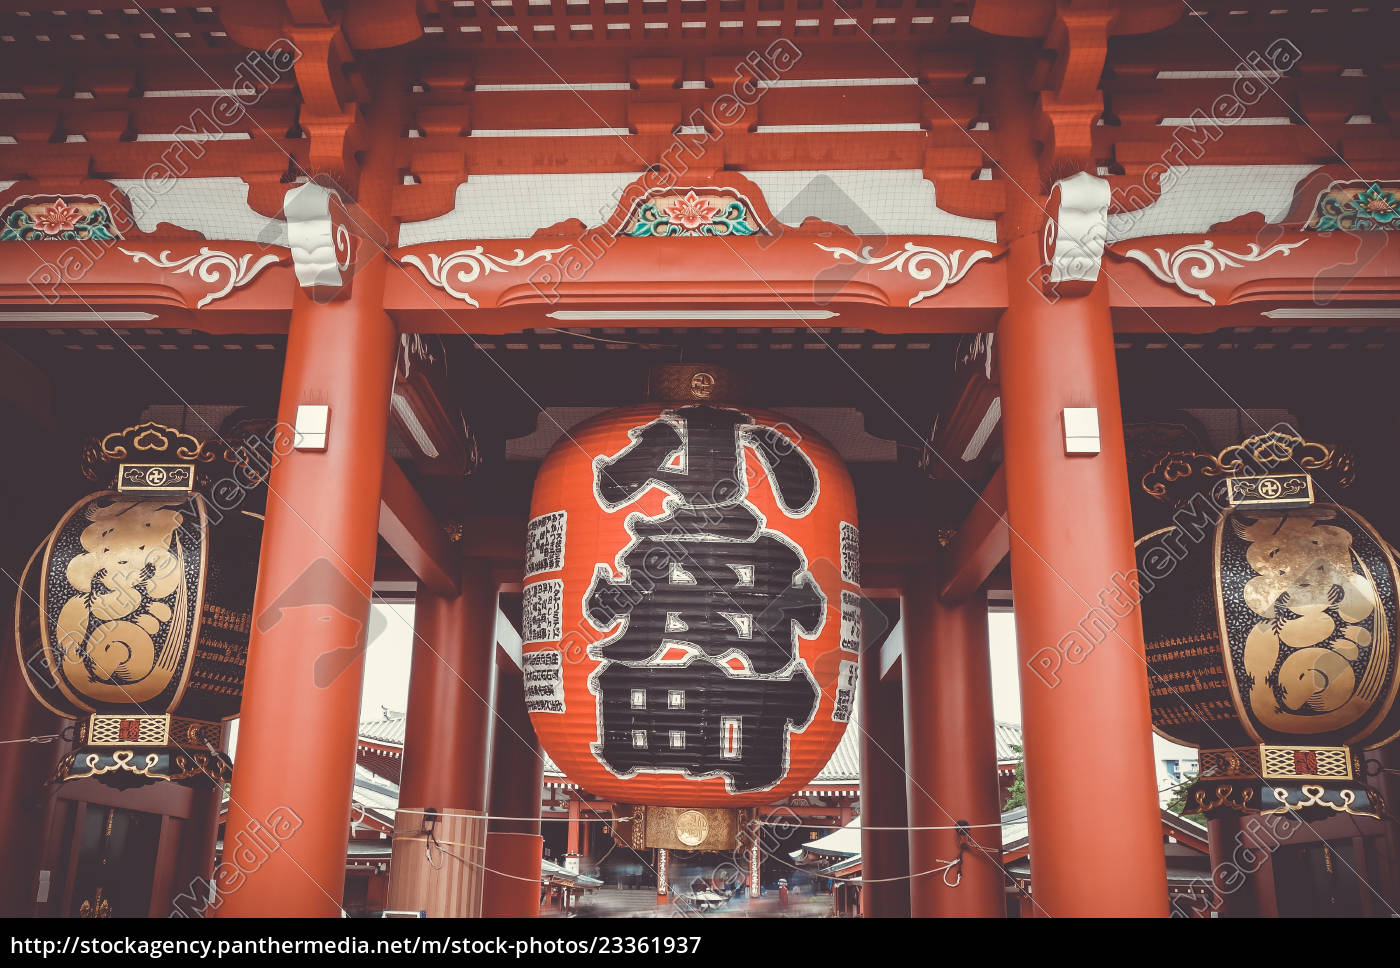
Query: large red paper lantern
691, 603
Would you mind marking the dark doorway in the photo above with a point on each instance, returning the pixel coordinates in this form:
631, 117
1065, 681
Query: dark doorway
1318, 879
116, 861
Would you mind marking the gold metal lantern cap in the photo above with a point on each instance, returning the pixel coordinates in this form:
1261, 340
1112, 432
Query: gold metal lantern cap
696, 383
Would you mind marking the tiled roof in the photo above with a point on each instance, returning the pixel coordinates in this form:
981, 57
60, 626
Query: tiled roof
843, 767
1015, 828
1183, 873
375, 792
388, 729
363, 849
1008, 740
841, 842
552, 871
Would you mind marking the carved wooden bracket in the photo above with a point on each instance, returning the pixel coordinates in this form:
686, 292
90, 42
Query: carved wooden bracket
321, 241
1075, 233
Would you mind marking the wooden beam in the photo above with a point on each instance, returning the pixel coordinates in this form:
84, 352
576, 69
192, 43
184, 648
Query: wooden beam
980, 544
889, 545
414, 534
500, 538
882, 580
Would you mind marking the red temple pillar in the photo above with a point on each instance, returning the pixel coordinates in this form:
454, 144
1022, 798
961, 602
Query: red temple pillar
295, 763
199, 836
950, 754
575, 811
1094, 817
1259, 842
440, 828
884, 853
1236, 892
25, 802
514, 847
1388, 758
23, 769
512, 875
517, 765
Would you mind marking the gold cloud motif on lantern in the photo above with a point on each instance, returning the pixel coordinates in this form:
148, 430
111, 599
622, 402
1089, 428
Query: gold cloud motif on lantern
121, 633
1317, 657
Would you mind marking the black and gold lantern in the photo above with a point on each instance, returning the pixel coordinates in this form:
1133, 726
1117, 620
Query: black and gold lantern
1270, 617
133, 615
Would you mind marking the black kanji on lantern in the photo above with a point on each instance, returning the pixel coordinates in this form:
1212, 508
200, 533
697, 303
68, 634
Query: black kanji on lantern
699, 720
714, 596
704, 577
698, 454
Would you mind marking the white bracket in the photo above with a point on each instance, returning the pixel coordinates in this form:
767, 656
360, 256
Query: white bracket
319, 236
1075, 233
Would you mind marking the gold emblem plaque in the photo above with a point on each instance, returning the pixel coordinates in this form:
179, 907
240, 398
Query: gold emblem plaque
692, 827
680, 828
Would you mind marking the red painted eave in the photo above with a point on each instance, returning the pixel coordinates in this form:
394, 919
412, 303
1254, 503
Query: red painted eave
661, 275
101, 277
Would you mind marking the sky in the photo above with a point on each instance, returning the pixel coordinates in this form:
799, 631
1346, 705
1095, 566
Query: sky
387, 662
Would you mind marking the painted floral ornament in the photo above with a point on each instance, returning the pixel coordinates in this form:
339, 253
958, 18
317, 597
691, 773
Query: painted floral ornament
693, 214
38, 218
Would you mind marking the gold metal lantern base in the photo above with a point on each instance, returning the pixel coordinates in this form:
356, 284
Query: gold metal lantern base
128, 751
1311, 781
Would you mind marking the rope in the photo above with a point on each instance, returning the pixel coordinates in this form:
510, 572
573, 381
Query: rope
828, 826
952, 867
944, 868
492, 816
32, 739
474, 863
763, 823
439, 843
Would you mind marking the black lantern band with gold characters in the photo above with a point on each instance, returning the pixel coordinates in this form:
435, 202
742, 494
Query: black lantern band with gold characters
133, 616
1271, 622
